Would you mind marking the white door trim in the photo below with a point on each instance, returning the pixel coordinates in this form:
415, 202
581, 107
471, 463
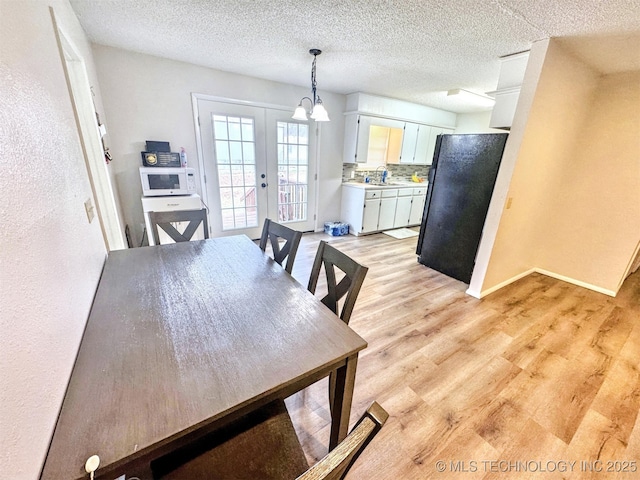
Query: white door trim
314, 129
85, 115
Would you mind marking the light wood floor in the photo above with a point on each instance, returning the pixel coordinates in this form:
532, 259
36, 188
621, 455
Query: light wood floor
539, 373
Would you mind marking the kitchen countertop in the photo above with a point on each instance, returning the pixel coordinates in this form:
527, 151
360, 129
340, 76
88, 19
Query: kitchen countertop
376, 186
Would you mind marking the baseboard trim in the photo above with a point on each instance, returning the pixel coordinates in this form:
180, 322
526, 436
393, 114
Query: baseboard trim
573, 281
484, 293
579, 283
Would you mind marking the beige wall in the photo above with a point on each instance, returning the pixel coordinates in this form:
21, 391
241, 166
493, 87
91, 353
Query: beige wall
149, 98
50, 256
596, 226
577, 139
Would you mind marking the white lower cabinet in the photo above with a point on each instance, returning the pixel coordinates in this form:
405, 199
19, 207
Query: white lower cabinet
370, 215
417, 205
374, 209
387, 209
403, 207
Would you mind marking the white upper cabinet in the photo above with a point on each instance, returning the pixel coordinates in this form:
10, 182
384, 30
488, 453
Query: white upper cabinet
350, 150
409, 140
415, 144
422, 156
512, 70
381, 130
372, 140
431, 146
364, 134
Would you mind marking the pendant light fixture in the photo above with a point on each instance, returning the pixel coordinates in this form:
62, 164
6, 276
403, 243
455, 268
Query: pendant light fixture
318, 113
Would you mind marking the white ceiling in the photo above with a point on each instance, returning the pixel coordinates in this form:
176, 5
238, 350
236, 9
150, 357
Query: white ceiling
414, 50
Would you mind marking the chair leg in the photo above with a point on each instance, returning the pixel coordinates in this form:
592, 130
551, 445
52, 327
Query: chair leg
332, 390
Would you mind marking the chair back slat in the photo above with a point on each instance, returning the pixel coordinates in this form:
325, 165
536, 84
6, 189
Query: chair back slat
336, 464
164, 221
273, 232
348, 287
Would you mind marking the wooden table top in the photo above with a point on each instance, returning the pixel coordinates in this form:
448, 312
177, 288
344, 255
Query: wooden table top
181, 336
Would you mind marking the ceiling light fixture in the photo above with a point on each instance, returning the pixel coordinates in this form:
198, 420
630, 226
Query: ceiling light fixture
318, 113
476, 98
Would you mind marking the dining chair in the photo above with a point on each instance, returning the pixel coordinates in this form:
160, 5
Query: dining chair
273, 232
264, 445
164, 220
348, 287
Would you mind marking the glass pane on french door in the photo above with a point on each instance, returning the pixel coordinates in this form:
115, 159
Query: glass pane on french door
293, 171
235, 152
291, 149
233, 167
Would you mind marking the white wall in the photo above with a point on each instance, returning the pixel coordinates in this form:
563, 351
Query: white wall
149, 98
477, 122
50, 256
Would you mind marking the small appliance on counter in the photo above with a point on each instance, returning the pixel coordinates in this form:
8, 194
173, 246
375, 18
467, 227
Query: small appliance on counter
165, 173
167, 181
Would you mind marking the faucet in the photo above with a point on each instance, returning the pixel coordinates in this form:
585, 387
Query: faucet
382, 176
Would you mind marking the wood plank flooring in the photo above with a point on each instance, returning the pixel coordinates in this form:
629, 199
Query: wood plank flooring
518, 385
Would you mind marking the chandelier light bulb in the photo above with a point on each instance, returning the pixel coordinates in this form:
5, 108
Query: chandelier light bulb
300, 113
319, 114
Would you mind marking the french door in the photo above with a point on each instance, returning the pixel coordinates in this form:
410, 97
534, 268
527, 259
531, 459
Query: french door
257, 163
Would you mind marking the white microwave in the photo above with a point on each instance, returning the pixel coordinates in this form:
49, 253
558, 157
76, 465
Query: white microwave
161, 181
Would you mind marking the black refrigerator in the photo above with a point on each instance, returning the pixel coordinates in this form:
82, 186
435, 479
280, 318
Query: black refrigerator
461, 182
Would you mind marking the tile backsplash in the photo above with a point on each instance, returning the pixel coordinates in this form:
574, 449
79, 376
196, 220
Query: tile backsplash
397, 172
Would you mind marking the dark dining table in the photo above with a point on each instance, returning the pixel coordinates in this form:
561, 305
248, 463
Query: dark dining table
183, 339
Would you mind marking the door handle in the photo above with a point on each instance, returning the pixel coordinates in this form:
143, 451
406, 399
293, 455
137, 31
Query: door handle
263, 185
262, 175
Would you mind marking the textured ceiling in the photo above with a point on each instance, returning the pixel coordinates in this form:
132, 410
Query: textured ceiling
414, 50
